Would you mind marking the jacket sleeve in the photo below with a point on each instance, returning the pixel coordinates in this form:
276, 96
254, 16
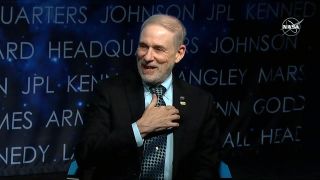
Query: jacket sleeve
208, 146
100, 142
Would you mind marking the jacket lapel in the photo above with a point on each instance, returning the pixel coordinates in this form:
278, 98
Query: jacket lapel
180, 102
135, 95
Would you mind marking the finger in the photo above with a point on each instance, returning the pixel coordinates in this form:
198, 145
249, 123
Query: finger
168, 126
173, 111
171, 107
172, 125
175, 117
153, 101
161, 129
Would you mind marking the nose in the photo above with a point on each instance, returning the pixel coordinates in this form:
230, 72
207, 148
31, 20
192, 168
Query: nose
149, 55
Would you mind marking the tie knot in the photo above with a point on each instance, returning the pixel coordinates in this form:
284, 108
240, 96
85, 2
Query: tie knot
158, 90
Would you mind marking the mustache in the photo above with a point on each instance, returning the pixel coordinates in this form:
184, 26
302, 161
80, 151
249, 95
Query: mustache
143, 62
148, 65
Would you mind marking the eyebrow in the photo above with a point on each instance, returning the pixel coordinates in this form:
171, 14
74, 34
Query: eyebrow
159, 47
142, 43
154, 46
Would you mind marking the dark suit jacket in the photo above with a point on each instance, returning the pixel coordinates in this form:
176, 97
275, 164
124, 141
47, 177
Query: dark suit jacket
108, 150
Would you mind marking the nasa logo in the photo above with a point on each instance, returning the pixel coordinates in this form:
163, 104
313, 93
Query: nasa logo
291, 26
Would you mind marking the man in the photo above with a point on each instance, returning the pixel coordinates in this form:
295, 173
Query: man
132, 133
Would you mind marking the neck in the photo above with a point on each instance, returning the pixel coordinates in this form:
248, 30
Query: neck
152, 84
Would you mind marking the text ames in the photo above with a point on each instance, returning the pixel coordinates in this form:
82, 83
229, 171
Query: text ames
16, 120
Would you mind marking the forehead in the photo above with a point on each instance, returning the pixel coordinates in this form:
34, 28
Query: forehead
154, 33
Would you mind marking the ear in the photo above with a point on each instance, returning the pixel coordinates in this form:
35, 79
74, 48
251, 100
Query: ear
180, 53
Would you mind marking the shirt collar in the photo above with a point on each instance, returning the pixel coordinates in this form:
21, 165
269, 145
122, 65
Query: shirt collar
166, 83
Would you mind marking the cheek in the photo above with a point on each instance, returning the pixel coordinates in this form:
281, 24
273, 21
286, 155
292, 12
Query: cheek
138, 55
165, 67
163, 59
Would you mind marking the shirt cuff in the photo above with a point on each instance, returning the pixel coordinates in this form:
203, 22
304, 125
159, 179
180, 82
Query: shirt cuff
137, 134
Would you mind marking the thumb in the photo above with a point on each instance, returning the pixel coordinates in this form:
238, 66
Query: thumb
153, 101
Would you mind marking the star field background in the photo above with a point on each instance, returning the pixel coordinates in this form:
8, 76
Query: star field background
53, 52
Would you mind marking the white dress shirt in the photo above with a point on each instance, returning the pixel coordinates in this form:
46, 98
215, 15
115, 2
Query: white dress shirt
167, 97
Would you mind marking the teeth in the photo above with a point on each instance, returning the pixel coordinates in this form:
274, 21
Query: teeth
148, 67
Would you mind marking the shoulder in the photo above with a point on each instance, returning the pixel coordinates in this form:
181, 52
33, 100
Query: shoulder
109, 82
118, 81
191, 89
106, 86
195, 96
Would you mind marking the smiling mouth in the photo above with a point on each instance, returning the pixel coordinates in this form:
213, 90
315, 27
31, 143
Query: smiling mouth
147, 68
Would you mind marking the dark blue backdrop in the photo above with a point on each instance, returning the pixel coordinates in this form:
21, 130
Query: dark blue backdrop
53, 52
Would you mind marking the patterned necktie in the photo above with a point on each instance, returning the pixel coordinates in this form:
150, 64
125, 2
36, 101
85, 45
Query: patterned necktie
154, 151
